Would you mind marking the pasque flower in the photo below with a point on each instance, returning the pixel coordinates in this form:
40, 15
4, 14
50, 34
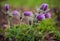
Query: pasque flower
48, 15
7, 7
15, 12
41, 17
27, 13
44, 7
16, 17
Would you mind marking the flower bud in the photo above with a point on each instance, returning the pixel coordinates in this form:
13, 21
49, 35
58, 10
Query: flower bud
41, 17
27, 13
7, 7
44, 7
48, 15
15, 12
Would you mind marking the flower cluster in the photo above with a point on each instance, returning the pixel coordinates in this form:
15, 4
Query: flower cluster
44, 14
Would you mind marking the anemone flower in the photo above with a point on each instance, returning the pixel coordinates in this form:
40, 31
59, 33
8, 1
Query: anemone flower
41, 17
44, 7
15, 12
7, 7
28, 17
48, 15
27, 13
16, 18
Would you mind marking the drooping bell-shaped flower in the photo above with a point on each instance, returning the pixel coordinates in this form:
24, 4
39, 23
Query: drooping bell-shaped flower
16, 17
44, 7
48, 15
41, 17
7, 7
28, 17
15, 12
27, 13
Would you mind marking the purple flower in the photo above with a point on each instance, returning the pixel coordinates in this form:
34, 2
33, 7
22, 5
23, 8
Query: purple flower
15, 12
41, 17
27, 13
48, 15
7, 7
44, 7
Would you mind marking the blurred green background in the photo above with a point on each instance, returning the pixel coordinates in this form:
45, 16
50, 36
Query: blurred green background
32, 3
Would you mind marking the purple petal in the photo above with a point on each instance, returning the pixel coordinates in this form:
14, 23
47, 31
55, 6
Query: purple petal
41, 17
48, 15
7, 6
44, 7
28, 13
15, 12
